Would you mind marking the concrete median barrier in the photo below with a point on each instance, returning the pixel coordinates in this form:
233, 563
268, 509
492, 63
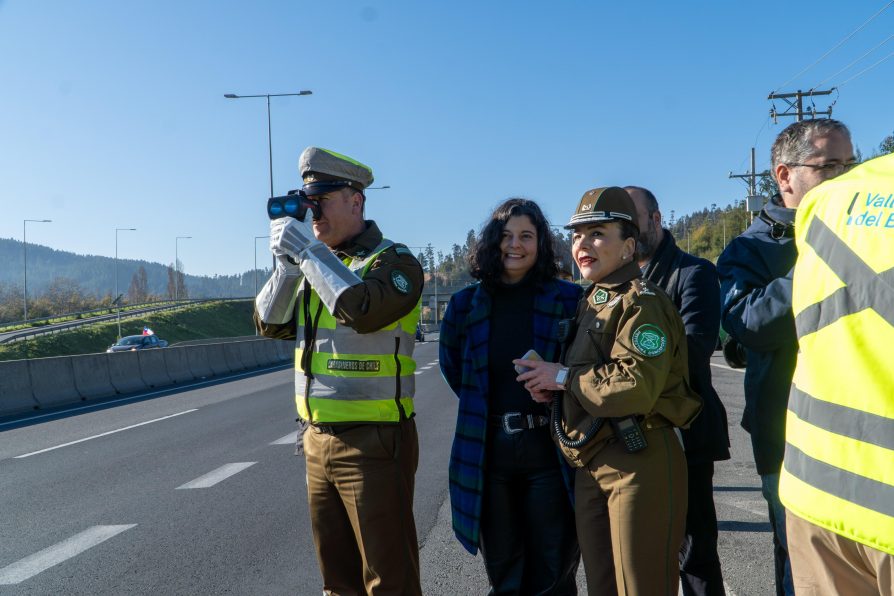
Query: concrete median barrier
233, 357
177, 364
265, 352
247, 354
52, 381
217, 359
152, 368
15, 388
124, 372
197, 357
91, 375
286, 349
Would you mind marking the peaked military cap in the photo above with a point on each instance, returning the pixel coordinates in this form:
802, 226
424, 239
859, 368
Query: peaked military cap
323, 171
604, 204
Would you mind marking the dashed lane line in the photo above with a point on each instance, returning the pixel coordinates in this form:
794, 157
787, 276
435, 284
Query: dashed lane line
41, 561
739, 370
289, 439
111, 432
218, 475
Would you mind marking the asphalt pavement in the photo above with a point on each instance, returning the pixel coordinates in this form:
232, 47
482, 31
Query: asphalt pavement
198, 491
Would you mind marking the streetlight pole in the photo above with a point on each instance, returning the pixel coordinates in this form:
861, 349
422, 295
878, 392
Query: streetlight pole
269, 128
177, 266
25, 261
117, 301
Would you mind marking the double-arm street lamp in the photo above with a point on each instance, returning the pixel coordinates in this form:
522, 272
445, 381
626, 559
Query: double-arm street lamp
25, 261
177, 265
269, 134
117, 296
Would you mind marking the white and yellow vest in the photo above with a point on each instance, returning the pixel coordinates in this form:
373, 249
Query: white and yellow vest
355, 377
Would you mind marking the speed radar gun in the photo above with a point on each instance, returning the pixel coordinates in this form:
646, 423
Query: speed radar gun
276, 300
294, 204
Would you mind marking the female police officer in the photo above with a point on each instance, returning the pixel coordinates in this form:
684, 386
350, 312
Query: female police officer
625, 382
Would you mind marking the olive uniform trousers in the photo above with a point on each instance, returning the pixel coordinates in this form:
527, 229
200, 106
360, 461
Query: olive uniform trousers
630, 511
360, 483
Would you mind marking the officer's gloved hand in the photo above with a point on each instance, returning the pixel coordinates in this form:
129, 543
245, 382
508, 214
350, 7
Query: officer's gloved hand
290, 237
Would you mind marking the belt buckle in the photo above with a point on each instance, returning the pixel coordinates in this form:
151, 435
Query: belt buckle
508, 429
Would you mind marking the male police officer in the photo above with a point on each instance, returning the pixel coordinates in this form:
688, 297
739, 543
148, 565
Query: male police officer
692, 285
756, 293
351, 298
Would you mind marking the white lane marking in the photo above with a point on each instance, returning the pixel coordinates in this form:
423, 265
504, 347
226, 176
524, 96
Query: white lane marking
289, 439
218, 475
740, 370
111, 432
41, 561
417, 373
425, 367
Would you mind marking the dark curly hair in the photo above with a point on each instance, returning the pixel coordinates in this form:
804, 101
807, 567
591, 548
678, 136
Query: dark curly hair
486, 259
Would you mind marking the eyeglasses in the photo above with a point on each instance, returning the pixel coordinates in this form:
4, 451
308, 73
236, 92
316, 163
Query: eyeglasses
831, 168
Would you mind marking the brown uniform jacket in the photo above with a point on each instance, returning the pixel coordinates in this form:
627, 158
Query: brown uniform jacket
628, 356
376, 302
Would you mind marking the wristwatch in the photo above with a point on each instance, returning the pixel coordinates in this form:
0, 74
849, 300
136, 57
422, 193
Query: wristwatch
562, 376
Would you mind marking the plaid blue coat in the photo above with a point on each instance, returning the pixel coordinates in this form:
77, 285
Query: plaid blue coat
463, 356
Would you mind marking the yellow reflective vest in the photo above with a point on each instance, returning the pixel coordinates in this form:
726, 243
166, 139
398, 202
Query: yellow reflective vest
354, 377
838, 471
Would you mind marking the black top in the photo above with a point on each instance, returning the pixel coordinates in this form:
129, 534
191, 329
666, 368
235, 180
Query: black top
511, 335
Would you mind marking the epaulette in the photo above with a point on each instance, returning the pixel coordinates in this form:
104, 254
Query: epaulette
642, 288
402, 249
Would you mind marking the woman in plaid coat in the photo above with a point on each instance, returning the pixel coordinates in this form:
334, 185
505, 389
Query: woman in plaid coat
509, 487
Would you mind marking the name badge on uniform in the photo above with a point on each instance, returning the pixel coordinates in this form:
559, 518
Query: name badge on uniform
600, 297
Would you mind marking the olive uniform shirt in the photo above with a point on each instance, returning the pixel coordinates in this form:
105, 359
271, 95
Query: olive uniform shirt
628, 356
376, 302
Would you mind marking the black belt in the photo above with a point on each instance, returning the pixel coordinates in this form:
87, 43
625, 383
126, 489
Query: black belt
515, 422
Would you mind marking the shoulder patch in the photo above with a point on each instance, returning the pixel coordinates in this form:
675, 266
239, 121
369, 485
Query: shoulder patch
400, 282
402, 250
649, 340
600, 296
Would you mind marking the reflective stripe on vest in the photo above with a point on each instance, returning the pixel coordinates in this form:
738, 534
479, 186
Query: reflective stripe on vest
356, 377
838, 471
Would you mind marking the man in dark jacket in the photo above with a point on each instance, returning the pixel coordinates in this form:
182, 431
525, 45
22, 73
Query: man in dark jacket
692, 285
756, 291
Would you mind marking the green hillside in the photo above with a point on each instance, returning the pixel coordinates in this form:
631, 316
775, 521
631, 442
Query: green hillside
204, 321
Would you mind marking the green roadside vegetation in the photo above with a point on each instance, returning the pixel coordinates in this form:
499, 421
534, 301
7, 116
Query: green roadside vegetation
202, 321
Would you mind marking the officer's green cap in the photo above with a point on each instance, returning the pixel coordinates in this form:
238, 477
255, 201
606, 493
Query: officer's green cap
604, 204
323, 171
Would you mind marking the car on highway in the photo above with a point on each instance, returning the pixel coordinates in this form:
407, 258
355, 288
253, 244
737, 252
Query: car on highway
137, 342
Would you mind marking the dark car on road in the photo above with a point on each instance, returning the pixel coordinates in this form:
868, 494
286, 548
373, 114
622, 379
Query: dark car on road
137, 342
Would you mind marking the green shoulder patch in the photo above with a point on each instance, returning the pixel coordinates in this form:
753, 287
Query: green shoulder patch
400, 282
649, 340
600, 296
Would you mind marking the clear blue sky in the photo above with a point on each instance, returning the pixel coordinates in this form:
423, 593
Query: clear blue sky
112, 113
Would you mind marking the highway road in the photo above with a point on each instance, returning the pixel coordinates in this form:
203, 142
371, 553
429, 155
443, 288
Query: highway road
198, 491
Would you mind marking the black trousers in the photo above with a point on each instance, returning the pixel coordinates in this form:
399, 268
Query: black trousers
528, 538
700, 573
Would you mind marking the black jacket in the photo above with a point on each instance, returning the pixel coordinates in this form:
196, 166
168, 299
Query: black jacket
692, 285
756, 291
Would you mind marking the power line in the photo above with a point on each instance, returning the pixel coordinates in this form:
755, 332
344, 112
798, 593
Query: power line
890, 37
867, 69
836, 46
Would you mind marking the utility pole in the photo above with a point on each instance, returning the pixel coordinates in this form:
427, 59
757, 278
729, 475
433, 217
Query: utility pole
754, 201
795, 103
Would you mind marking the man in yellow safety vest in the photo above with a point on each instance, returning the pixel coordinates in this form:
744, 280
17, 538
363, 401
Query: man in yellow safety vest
837, 479
351, 299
